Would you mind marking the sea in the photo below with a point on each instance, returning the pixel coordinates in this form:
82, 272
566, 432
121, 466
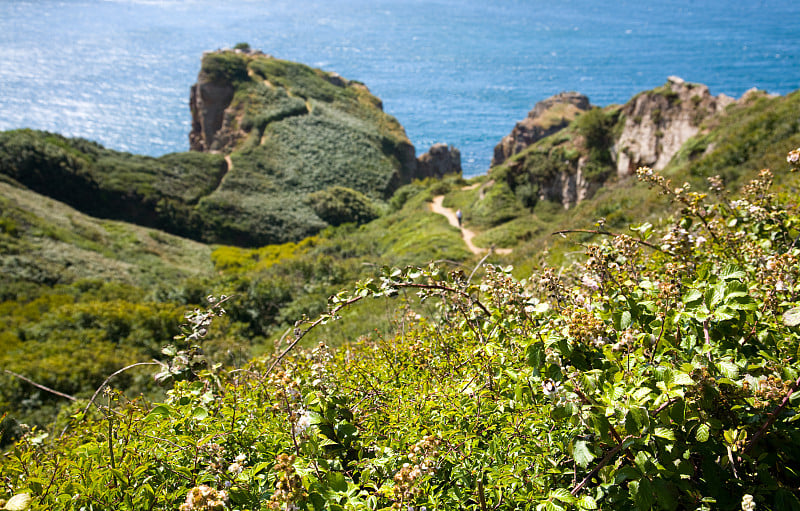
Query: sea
462, 72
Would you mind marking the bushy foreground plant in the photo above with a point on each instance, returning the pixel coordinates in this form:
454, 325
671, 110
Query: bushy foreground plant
659, 374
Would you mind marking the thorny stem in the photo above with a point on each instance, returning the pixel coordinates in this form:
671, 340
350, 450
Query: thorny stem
97, 392
772, 417
609, 233
606, 459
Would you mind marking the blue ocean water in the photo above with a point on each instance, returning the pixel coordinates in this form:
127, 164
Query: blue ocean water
455, 71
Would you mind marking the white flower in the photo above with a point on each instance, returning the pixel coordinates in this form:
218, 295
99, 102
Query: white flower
303, 423
590, 282
235, 468
747, 503
551, 388
241, 458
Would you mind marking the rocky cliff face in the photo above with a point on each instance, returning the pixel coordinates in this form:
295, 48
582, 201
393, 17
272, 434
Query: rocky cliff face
660, 121
648, 130
208, 101
546, 118
440, 159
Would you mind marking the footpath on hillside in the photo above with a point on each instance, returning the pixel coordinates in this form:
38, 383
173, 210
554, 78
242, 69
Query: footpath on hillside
466, 234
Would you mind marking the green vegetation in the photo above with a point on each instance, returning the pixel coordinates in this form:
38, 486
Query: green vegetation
340, 205
651, 366
225, 66
54, 260
659, 373
154, 192
295, 131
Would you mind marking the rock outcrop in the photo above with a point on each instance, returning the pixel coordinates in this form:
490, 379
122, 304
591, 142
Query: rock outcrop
660, 121
440, 159
208, 101
546, 118
289, 131
647, 131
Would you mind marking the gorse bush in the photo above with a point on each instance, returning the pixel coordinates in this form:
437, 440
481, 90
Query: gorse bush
659, 373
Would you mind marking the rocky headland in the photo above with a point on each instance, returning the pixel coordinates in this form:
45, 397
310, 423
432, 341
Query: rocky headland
565, 149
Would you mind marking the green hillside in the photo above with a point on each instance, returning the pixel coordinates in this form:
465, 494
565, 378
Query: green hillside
308, 334
291, 132
662, 373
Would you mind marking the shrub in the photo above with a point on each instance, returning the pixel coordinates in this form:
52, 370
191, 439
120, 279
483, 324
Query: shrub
339, 205
226, 66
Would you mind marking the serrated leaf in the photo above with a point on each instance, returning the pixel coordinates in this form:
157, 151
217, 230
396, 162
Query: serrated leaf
665, 433
702, 433
561, 494
587, 502
732, 272
729, 369
583, 456
792, 317
683, 379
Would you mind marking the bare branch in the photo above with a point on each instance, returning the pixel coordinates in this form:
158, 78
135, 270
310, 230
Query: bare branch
39, 385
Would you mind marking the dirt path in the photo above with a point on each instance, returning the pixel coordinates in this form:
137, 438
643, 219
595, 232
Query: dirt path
436, 207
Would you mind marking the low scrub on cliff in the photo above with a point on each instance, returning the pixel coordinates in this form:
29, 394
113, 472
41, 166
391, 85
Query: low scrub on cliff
154, 192
292, 131
659, 373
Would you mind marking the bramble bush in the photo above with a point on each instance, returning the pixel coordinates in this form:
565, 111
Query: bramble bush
660, 373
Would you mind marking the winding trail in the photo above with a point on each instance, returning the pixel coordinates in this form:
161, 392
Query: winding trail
436, 207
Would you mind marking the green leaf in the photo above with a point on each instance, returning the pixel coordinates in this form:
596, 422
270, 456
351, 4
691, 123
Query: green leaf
561, 494
702, 433
199, 413
693, 297
644, 494
683, 379
587, 502
729, 369
337, 482
665, 433
732, 272
19, 502
715, 295
625, 320
626, 473
583, 456
792, 317
162, 410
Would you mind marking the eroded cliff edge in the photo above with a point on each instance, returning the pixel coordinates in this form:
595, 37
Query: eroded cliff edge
565, 150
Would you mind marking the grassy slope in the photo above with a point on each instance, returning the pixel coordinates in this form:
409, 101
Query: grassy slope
82, 297
299, 134
57, 257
